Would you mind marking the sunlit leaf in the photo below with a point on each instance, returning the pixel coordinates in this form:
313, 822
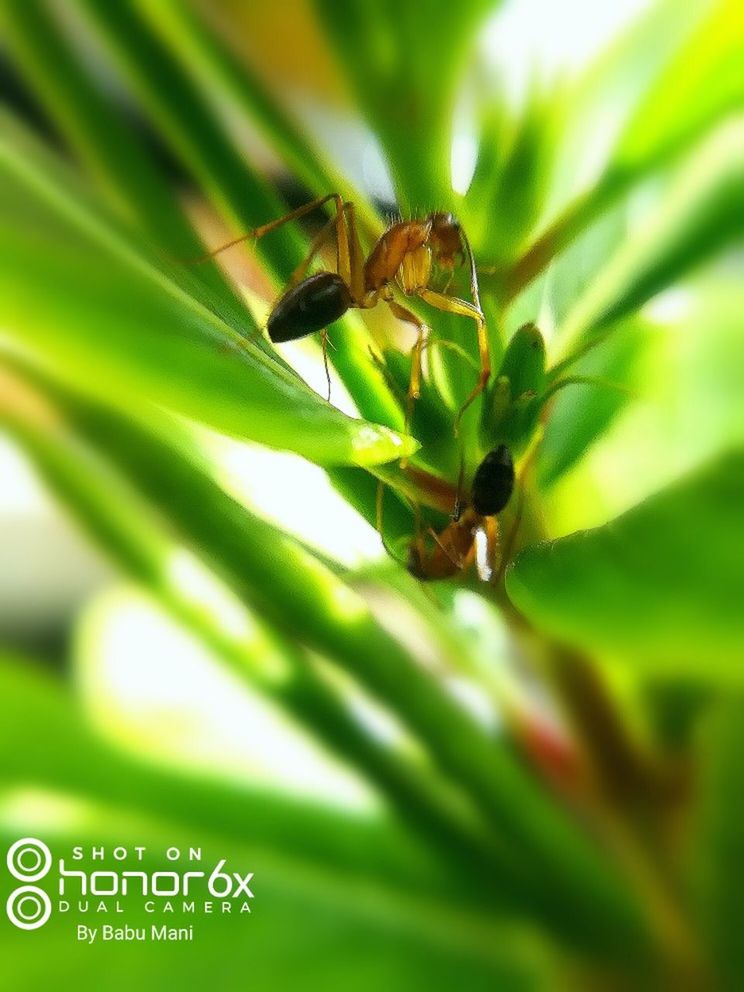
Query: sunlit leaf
108, 147
701, 214
168, 94
115, 322
388, 51
269, 571
222, 72
643, 116
582, 411
701, 85
609, 93
660, 586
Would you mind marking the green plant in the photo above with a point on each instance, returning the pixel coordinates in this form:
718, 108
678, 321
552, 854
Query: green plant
113, 352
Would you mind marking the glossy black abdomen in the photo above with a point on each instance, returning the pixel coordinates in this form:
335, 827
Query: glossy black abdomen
309, 307
494, 482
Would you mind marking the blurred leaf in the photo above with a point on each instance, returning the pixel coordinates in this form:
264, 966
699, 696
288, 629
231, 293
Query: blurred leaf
70, 98
669, 117
47, 741
606, 96
172, 99
702, 213
716, 847
109, 148
574, 270
703, 84
660, 586
128, 530
509, 186
270, 571
403, 61
324, 863
159, 342
582, 412
223, 74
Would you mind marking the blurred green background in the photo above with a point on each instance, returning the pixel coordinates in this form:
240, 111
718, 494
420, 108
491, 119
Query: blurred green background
533, 783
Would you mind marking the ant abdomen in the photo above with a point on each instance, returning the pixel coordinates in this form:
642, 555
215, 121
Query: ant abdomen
493, 483
308, 307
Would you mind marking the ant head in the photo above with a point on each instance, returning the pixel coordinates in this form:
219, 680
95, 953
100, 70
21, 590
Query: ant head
443, 220
446, 238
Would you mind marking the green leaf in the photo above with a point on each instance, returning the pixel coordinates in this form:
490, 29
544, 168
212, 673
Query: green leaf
269, 571
172, 99
659, 586
404, 63
47, 740
716, 845
602, 100
357, 874
701, 214
109, 148
224, 75
582, 411
703, 84
640, 117
509, 183
124, 524
112, 320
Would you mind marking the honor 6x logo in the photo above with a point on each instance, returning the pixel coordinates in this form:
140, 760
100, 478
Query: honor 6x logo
28, 907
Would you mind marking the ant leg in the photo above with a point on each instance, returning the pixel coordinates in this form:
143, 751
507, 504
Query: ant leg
488, 560
320, 239
259, 232
355, 280
414, 385
453, 304
324, 346
447, 552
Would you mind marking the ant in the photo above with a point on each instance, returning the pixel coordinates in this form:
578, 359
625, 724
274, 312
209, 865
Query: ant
472, 536
403, 257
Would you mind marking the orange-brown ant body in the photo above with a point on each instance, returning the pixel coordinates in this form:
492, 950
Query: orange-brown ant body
403, 258
472, 536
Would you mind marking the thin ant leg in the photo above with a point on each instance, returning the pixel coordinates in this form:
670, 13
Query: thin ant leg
355, 276
259, 232
414, 385
324, 346
458, 562
453, 304
319, 241
490, 566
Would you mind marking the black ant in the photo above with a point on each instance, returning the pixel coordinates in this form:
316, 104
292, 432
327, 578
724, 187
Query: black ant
472, 536
403, 257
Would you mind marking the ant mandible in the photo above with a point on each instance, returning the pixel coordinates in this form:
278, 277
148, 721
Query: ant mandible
403, 257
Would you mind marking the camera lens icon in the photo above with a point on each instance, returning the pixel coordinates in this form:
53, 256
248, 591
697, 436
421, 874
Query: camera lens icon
29, 859
28, 907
